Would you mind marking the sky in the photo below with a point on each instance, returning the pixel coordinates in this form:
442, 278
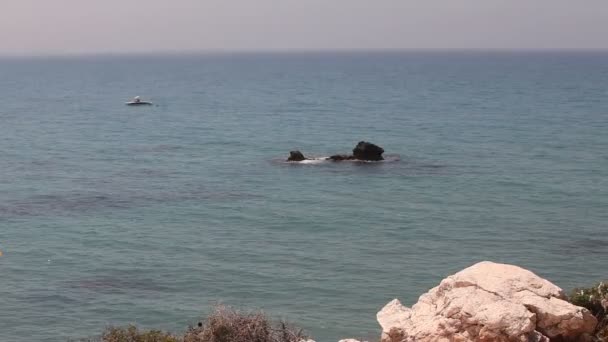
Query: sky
34, 27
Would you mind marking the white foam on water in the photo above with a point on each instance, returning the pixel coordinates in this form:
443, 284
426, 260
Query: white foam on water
314, 161
323, 160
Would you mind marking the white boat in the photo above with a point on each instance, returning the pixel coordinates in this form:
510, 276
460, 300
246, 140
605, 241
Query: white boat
138, 102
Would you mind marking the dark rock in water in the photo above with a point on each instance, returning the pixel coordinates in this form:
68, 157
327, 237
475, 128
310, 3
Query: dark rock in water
340, 157
363, 151
367, 151
296, 156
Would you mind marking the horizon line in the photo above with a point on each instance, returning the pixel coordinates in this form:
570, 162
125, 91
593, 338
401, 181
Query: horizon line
285, 51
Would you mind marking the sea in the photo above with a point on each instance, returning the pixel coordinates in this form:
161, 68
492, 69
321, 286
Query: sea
153, 215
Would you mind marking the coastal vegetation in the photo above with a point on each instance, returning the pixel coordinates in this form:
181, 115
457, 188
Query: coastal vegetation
224, 324
133, 334
595, 299
227, 324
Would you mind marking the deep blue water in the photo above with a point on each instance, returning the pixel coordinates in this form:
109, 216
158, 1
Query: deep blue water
111, 214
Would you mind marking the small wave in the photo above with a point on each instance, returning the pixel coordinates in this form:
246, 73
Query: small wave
313, 161
325, 160
156, 148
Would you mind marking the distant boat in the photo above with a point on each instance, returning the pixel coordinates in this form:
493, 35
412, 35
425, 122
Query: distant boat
138, 102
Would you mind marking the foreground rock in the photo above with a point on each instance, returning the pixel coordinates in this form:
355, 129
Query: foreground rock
488, 302
296, 156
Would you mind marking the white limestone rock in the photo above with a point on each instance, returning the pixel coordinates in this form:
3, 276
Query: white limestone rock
488, 302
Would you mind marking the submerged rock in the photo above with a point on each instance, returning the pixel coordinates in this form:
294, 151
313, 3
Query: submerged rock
488, 302
296, 156
368, 151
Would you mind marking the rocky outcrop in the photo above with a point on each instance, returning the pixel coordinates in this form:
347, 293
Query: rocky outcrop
488, 302
368, 151
364, 151
296, 156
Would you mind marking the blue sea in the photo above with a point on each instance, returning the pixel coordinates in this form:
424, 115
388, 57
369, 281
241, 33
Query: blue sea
111, 214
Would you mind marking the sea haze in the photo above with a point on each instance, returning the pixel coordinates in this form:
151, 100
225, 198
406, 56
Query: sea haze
111, 214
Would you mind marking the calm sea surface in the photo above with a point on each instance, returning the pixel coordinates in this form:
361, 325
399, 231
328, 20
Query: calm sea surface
111, 214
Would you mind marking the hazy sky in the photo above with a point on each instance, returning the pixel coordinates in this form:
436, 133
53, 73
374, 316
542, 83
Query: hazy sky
91, 26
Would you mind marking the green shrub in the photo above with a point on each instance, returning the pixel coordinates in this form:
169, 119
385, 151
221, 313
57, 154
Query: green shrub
229, 325
132, 334
595, 299
223, 325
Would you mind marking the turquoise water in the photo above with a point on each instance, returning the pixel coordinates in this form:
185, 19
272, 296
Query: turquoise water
111, 214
